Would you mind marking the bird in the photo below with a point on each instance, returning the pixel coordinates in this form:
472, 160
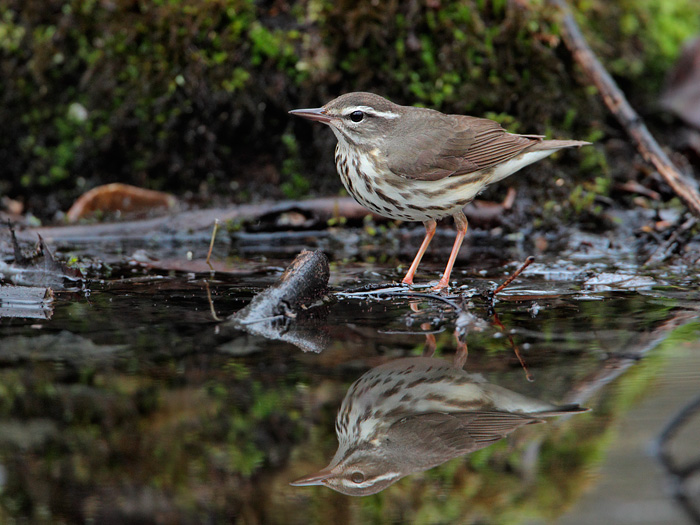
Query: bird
412, 414
418, 164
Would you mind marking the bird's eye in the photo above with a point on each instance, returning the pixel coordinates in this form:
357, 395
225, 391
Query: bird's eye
357, 477
357, 116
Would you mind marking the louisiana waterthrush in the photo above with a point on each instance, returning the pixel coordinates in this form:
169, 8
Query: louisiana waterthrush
412, 414
417, 164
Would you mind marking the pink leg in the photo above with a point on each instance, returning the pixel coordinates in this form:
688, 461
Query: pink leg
429, 232
430, 344
462, 224
460, 358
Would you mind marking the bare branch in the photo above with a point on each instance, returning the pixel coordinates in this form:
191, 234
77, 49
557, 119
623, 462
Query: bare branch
619, 106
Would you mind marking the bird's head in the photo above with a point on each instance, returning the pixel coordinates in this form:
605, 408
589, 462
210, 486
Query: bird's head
358, 118
362, 472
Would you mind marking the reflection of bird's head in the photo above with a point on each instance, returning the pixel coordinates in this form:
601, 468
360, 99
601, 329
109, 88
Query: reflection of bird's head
362, 472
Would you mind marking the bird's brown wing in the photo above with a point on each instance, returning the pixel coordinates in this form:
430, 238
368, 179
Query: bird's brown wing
432, 149
433, 438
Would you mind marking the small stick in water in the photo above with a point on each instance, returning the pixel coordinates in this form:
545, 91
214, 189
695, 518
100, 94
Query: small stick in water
517, 272
211, 243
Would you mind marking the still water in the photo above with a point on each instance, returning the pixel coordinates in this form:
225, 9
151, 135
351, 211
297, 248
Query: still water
137, 402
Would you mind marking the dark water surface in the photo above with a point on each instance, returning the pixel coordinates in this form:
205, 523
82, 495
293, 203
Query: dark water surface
133, 404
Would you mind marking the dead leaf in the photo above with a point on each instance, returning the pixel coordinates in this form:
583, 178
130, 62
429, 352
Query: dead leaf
122, 198
13, 207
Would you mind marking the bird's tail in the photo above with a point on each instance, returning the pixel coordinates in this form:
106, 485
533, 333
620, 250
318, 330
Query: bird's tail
558, 144
560, 410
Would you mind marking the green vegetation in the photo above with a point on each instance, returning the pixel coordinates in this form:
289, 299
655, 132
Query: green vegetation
646, 37
188, 96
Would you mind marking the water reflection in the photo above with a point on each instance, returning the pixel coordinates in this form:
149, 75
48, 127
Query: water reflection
412, 414
111, 417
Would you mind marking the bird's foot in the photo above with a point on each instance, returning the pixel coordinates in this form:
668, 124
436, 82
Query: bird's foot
440, 286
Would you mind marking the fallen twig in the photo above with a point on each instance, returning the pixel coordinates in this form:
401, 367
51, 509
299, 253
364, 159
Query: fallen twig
512, 278
189, 224
664, 251
619, 106
195, 223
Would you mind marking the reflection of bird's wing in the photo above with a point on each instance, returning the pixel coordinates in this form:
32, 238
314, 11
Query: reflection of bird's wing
433, 438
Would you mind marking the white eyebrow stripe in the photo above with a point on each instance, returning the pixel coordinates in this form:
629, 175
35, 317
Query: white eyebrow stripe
371, 111
372, 481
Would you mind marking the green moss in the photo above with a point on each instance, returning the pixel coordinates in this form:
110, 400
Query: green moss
296, 184
177, 93
639, 39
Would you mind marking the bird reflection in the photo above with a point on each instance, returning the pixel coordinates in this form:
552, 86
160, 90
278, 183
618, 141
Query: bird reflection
412, 414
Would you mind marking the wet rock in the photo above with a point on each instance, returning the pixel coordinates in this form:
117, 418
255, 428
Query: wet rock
287, 310
40, 269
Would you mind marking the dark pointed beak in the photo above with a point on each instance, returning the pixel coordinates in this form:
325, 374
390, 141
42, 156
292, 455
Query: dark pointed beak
317, 114
317, 478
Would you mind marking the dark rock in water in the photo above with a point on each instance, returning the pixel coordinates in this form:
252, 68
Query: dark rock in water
40, 269
289, 309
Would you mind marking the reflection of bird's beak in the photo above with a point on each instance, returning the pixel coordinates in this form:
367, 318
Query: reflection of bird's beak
317, 478
317, 114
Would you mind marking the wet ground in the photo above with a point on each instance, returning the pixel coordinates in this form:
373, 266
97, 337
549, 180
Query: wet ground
133, 400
